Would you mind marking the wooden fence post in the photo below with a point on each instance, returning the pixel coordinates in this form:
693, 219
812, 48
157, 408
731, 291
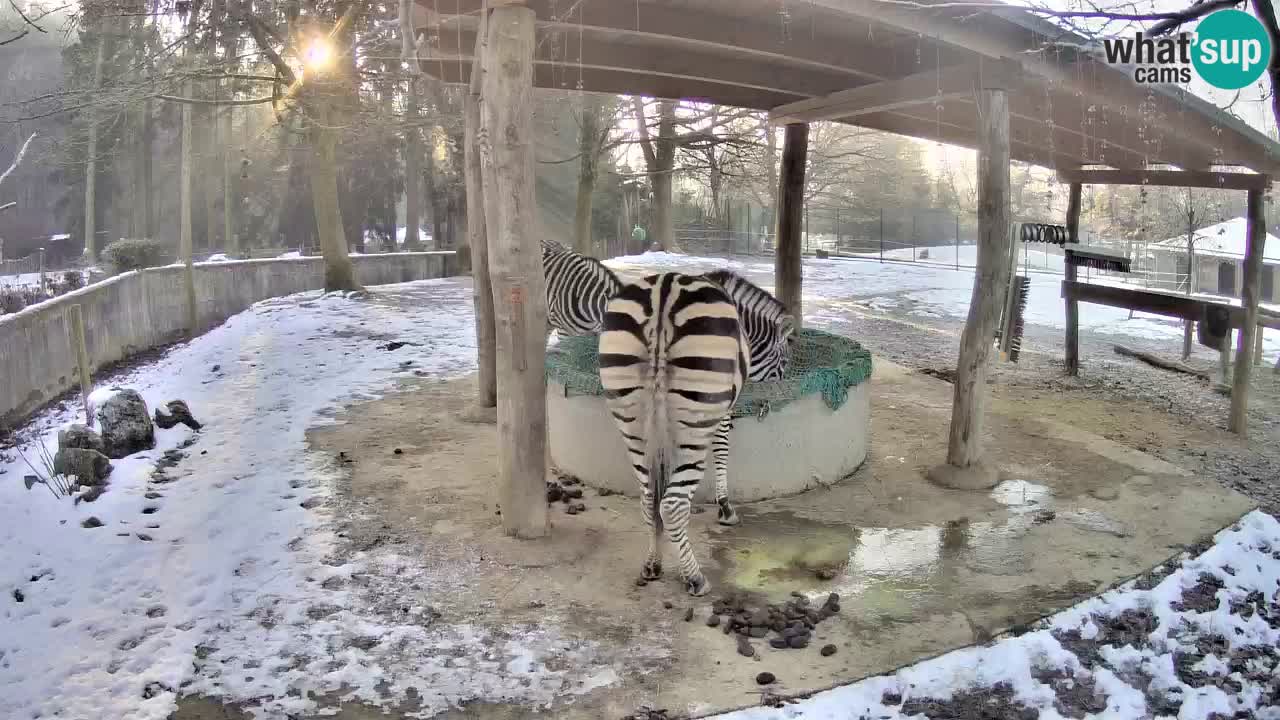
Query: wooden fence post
76, 338
515, 264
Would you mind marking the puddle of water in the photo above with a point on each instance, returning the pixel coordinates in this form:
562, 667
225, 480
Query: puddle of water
888, 572
1022, 496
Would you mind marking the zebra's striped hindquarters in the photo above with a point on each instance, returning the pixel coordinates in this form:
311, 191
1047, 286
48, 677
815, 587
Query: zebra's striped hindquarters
673, 359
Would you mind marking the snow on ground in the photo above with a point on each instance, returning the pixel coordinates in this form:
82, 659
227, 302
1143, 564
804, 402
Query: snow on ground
926, 290
1224, 601
224, 581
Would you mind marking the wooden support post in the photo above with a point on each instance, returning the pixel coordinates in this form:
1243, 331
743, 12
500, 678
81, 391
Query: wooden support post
515, 265
964, 468
1249, 292
787, 268
1257, 346
1069, 271
481, 287
1224, 361
75, 332
44, 285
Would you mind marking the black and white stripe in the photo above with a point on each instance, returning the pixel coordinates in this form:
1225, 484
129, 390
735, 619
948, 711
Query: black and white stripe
769, 330
673, 359
578, 288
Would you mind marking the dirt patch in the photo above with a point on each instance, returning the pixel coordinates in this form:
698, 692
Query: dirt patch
1201, 597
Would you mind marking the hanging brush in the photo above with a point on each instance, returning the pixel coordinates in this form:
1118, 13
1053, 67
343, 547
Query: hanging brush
1022, 288
1097, 257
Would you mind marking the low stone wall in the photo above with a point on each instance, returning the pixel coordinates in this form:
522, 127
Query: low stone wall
136, 311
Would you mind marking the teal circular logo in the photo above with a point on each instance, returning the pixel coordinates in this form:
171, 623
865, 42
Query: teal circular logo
1232, 49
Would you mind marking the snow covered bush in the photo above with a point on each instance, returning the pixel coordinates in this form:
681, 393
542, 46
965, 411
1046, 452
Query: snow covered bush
134, 254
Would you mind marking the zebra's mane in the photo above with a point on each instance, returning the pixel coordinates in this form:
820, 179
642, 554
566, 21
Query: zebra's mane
745, 292
556, 248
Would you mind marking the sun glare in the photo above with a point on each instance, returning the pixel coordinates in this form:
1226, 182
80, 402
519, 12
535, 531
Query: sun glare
318, 55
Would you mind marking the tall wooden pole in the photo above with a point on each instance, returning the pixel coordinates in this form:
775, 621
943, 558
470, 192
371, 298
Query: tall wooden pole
515, 264
787, 273
964, 449
1249, 291
481, 289
185, 245
1069, 274
76, 337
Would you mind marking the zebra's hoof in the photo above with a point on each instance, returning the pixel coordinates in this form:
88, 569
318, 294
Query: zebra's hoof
697, 585
727, 515
651, 570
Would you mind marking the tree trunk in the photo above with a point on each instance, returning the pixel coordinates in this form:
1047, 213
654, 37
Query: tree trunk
339, 273
185, 244
965, 443
91, 165
588, 142
788, 263
506, 112
431, 189
481, 289
412, 167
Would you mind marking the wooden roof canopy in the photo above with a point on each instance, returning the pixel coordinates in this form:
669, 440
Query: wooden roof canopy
906, 70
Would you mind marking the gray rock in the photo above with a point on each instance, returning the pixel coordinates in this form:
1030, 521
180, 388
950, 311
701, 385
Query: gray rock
80, 437
126, 425
90, 467
178, 413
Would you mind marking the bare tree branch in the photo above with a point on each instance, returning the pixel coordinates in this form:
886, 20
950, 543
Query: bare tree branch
18, 159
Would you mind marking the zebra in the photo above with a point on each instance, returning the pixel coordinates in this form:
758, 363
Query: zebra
770, 331
578, 288
673, 359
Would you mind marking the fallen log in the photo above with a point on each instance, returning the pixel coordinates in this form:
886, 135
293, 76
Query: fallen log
1160, 362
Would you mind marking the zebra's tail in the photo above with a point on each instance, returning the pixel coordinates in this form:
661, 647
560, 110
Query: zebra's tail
658, 450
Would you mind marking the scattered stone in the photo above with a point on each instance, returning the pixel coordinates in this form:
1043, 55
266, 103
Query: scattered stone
178, 413
713, 621
126, 425
668, 604
745, 649
826, 573
91, 522
828, 650
215, 368
605, 492
398, 451
554, 493
1044, 516
90, 467
153, 496
688, 615
571, 509
891, 698
641, 582
144, 537
582, 507
80, 437
154, 689
18, 596
765, 678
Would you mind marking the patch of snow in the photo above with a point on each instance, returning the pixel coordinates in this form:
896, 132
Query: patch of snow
218, 257
290, 254
217, 587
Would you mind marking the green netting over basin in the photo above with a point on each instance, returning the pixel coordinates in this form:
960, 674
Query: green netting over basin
820, 363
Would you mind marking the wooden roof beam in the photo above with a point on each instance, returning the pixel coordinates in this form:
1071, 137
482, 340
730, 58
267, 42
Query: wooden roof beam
1167, 178
960, 81
695, 27
570, 51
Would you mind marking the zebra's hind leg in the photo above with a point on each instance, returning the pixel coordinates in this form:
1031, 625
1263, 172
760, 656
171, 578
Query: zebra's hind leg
720, 453
675, 517
652, 569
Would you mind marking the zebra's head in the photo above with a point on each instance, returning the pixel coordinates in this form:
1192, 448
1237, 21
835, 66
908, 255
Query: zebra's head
771, 364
